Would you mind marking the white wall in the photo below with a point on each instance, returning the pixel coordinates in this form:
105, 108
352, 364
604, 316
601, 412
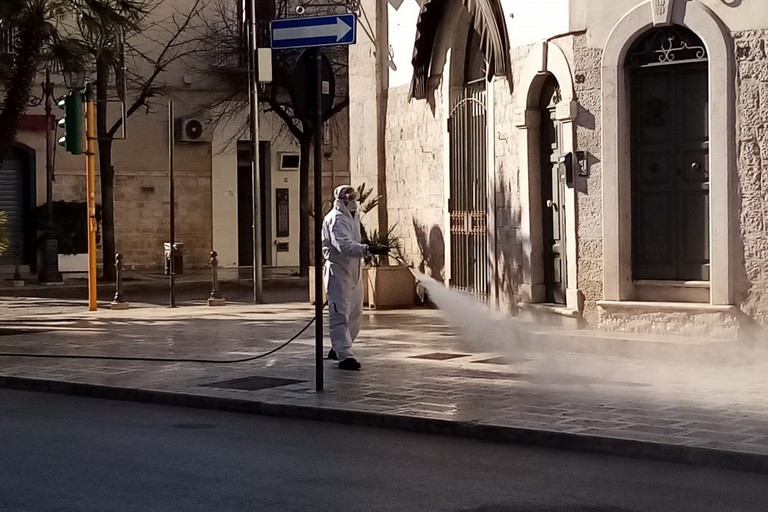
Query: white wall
529, 22
602, 16
402, 34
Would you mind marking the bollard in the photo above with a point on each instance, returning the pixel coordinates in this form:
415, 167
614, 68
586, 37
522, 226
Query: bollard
17, 280
215, 299
119, 302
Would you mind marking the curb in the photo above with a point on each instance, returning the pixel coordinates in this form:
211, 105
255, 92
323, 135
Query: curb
710, 457
106, 290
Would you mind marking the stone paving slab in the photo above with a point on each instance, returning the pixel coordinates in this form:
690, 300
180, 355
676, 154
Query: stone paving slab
703, 412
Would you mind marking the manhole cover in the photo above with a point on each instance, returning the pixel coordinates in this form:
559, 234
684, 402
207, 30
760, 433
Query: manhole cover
252, 383
439, 356
502, 360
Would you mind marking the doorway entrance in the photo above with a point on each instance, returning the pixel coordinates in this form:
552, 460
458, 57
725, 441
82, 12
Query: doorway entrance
245, 205
468, 200
670, 159
17, 200
552, 195
468, 175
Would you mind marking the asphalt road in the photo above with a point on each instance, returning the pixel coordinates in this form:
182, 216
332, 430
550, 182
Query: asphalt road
61, 453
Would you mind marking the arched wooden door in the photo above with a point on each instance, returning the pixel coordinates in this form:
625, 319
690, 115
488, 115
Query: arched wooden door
552, 195
670, 156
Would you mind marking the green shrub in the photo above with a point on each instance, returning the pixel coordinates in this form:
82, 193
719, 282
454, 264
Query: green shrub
70, 224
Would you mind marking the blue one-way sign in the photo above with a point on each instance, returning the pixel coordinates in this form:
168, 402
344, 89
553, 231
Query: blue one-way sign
314, 31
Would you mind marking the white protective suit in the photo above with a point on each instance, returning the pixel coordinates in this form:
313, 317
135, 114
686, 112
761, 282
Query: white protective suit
342, 272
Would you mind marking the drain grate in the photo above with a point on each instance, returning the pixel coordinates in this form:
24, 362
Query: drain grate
253, 383
439, 356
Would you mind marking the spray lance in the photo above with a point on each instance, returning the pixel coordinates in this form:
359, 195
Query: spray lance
389, 252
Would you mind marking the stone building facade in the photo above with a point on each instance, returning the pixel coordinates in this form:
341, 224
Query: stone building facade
605, 167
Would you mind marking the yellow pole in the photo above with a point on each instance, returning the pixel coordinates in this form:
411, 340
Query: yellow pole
90, 159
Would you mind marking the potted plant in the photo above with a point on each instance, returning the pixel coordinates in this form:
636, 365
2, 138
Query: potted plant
388, 282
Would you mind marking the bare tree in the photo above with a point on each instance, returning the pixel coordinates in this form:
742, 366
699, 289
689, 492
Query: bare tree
171, 39
103, 32
225, 67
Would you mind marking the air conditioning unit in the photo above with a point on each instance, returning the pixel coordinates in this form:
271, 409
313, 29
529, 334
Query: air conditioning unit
191, 129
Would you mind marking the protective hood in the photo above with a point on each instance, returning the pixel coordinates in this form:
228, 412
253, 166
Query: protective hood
345, 198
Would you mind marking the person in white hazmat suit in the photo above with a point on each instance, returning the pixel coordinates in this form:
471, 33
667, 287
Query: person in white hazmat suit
343, 251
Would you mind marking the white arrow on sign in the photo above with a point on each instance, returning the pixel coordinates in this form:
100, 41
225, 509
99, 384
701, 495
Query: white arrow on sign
338, 30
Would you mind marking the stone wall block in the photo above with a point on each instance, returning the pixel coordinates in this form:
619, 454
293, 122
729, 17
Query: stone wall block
590, 248
753, 69
753, 222
763, 112
589, 108
749, 153
749, 96
751, 180
750, 48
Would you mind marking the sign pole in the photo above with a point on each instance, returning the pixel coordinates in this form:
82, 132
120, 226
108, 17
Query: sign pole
314, 32
172, 209
318, 126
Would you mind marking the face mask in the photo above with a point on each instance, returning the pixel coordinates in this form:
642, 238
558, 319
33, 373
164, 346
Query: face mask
351, 205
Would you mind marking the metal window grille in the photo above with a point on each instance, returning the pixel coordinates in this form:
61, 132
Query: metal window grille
8, 40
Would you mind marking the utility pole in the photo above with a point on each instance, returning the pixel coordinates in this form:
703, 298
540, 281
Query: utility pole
317, 102
258, 291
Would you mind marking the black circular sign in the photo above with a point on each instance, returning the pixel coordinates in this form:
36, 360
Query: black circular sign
305, 85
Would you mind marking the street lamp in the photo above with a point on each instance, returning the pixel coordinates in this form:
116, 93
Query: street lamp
74, 80
74, 77
49, 264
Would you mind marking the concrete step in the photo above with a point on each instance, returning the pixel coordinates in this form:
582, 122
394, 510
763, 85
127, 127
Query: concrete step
538, 337
554, 315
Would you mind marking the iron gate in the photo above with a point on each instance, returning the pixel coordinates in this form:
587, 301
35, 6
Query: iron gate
468, 201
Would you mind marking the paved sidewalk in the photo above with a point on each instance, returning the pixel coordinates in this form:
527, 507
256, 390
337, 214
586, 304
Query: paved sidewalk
419, 373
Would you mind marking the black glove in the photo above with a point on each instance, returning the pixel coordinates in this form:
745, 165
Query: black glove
378, 249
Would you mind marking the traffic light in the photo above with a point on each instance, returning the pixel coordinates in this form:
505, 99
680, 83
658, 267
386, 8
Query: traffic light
73, 122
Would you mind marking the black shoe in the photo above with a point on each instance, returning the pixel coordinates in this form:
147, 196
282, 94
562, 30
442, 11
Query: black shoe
332, 355
349, 363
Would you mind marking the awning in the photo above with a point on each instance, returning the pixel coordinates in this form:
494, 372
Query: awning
487, 20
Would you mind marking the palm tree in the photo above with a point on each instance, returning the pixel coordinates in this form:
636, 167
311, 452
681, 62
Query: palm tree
57, 33
83, 34
33, 23
103, 32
